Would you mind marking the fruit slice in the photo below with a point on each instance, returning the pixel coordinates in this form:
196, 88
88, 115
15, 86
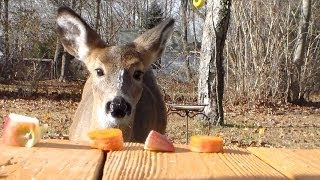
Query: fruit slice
106, 139
207, 144
158, 142
20, 130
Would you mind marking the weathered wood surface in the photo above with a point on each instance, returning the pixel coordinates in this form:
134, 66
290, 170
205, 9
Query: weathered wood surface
50, 159
294, 163
57, 159
234, 163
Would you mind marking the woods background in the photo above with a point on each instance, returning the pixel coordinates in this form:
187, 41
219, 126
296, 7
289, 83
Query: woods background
259, 50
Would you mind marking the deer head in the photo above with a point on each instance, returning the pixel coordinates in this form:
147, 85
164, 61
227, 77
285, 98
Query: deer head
116, 72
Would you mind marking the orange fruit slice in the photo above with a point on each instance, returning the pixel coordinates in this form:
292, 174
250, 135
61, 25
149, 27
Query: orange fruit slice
206, 144
106, 139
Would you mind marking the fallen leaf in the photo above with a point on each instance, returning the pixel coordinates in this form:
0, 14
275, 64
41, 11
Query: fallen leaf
46, 116
261, 131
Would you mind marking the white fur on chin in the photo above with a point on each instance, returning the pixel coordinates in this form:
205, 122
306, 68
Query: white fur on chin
107, 121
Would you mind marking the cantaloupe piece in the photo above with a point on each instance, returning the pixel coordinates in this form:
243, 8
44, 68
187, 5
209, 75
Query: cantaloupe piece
206, 144
110, 139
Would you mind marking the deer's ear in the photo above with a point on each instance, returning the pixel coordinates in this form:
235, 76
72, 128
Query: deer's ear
152, 43
76, 35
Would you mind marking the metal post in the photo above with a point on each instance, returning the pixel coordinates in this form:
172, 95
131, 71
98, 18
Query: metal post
209, 127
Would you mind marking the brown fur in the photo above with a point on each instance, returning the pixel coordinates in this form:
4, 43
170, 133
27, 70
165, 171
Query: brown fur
119, 64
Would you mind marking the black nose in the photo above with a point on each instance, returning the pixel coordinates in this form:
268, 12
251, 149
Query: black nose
118, 107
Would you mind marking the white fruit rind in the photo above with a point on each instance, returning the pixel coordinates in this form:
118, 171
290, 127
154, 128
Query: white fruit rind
147, 140
21, 118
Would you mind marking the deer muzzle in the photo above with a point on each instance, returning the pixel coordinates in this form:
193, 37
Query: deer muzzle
118, 107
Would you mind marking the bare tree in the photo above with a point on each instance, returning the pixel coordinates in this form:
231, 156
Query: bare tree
184, 30
184, 24
211, 70
295, 93
98, 16
57, 55
194, 30
6, 30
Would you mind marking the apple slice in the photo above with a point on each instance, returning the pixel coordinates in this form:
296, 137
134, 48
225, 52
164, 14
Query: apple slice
158, 142
20, 130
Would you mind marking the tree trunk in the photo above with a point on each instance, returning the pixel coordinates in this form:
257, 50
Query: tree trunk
134, 15
283, 68
166, 8
98, 19
1, 12
7, 69
112, 28
184, 26
211, 70
6, 43
295, 94
80, 7
194, 31
65, 62
57, 59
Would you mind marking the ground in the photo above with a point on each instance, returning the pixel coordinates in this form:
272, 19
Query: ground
283, 125
286, 126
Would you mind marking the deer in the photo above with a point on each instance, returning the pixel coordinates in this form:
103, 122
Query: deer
121, 90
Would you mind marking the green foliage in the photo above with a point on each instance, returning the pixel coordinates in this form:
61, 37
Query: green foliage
153, 16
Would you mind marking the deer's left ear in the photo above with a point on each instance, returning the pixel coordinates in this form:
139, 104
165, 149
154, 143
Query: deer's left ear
152, 43
77, 37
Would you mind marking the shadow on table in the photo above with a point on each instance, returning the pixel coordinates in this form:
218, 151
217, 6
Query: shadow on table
235, 151
226, 150
181, 150
304, 177
307, 177
62, 145
139, 147
249, 177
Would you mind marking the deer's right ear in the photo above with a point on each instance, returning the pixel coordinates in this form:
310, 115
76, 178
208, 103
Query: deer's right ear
76, 36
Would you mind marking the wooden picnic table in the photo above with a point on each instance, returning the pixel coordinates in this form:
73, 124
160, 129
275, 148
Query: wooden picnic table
62, 159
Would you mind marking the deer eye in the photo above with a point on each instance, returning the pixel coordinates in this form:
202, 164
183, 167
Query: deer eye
137, 75
99, 72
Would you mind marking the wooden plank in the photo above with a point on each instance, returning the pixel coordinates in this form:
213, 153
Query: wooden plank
135, 163
50, 159
294, 163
